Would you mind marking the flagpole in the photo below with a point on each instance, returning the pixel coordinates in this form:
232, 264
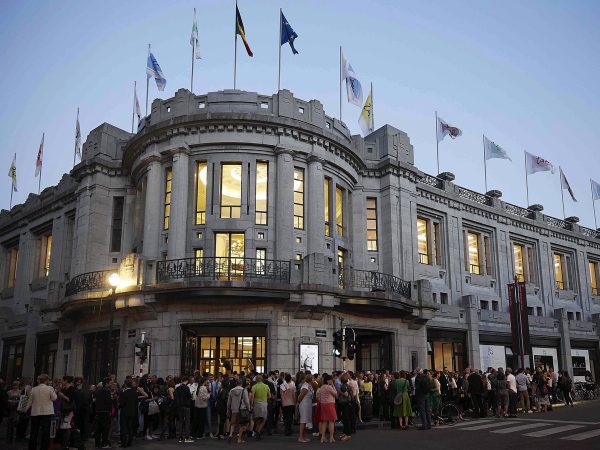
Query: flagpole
147, 85
340, 83
526, 178
75, 150
193, 54
593, 204
562, 194
41, 165
279, 46
133, 107
484, 163
235, 48
437, 143
372, 109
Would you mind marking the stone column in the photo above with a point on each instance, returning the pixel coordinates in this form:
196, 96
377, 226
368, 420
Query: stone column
314, 209
179, 205
284, 214
471, 305
565, 361
152, 213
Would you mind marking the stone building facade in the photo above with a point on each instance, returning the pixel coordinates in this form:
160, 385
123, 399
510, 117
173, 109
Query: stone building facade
247, 229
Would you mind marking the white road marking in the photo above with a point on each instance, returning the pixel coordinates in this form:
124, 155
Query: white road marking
550, 431
582, 436
522, 427
490, 425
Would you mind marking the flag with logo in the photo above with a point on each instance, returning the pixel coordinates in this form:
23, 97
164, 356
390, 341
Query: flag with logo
366, 116
194, 38
40, 156
534, 164
443, 130
493, 150
77, 137
239, 29
12, 173
595, 189
353, 86
287, 34
153, 70
564, 184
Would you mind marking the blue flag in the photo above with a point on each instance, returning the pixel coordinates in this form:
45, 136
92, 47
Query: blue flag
287, 33
153, 70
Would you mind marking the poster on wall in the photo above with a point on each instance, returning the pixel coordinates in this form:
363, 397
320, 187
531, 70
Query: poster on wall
580, 363
545, 358
492, 356
309, 358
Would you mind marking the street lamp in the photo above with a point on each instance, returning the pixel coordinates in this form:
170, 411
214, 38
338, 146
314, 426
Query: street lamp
114, 280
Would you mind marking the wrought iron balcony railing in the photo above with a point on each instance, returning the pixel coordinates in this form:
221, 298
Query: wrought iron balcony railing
88, 282
222, 268
374, 281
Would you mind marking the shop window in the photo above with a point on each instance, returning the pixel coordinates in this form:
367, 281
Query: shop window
446, 354
220, 354
524, 263
563, 271
478, 252
327, 205
593, 266
168, 187
201, 183
298, 198
339, 210
231, 191
261, 194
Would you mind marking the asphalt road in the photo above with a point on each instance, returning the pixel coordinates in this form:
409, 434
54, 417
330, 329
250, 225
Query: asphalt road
563, 428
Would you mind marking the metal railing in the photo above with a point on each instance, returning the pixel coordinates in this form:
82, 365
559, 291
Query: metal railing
223, 268
88, 282
374, 281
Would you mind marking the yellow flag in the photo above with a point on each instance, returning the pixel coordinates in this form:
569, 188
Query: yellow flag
366, 117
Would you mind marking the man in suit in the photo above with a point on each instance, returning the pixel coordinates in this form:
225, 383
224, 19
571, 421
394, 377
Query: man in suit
128, 402
422, 391
42, 409
445, 384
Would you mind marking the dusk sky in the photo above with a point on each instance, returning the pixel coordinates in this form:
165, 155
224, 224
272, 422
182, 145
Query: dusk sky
524, 73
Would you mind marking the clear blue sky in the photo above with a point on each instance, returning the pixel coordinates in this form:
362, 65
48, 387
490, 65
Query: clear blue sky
524, 73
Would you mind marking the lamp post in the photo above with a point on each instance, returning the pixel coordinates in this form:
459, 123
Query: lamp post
114, 280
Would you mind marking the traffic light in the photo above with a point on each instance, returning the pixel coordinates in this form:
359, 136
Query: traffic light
142, 351
352, 349
338, 343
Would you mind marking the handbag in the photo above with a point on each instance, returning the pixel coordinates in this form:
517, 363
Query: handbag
22, 406
243, 414
153, 408
399, 398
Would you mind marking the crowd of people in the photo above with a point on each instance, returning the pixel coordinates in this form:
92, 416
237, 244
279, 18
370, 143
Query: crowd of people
239, 406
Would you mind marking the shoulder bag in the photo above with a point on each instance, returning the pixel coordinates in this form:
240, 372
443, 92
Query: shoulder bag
243, 414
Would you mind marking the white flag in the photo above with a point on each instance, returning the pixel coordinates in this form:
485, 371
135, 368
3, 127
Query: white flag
564, 184
136, 105
353, 86
194, 38
443, 130
534, 164
493, 150
40, 157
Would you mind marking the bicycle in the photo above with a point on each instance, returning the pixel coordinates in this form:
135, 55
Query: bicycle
449, 415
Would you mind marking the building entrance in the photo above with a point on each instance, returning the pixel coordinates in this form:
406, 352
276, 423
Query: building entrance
446, 349
374, 350
224, 348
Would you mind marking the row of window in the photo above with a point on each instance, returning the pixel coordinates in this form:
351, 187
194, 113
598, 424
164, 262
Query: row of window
478, 258
231, 199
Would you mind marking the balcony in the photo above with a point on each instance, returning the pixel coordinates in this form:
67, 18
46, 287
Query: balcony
223, 269
373, 281
88, 282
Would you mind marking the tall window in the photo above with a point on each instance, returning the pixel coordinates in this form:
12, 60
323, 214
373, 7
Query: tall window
429, 244
372, 224
168, 185
262, 180
261, 260
201, 177
229, 253
518, 253
231, 191
341, 258
339, 210
594, 277
199, 260
298, 198
44, 249
117, 224
563, 270
327, 191
478, 253
524, 262
12, 261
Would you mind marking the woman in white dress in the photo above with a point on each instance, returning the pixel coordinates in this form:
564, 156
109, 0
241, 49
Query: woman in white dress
305, 400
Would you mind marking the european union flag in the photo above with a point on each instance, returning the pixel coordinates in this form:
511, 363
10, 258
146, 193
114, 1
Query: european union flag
287, 33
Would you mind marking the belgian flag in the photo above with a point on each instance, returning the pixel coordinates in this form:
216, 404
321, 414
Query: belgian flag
239, 29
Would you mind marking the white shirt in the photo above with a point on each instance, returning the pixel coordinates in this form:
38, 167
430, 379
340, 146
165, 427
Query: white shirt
193, 388
512, 382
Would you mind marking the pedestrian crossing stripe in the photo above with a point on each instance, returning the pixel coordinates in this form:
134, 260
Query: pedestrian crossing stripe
582, 436
521, 428
550, 431
510, 426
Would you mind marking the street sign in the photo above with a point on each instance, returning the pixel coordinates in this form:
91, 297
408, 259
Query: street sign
320, 333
